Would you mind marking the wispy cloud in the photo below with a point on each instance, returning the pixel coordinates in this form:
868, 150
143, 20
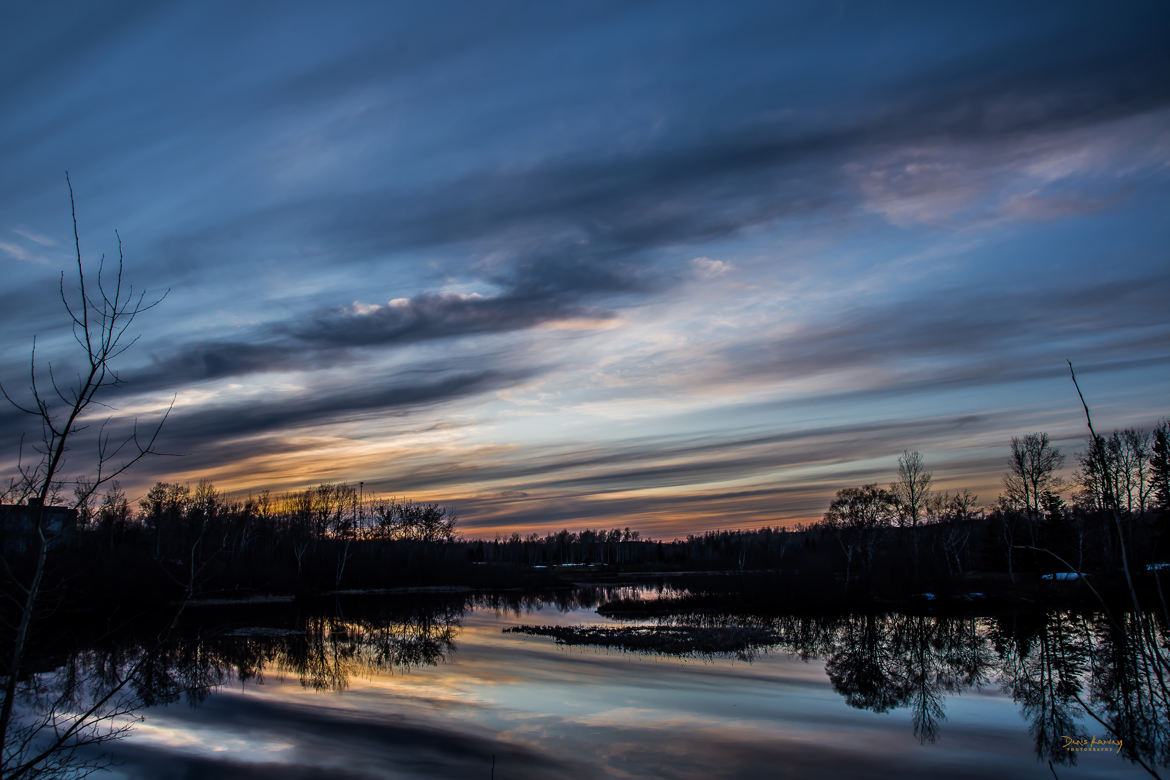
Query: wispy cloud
16, 252
640, 261
36, 238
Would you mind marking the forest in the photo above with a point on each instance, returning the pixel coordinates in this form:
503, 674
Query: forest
875, 544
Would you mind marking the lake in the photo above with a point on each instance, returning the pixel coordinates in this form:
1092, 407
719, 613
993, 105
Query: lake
431, 685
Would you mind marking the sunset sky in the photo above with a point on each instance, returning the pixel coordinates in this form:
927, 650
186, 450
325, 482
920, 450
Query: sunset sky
672, 266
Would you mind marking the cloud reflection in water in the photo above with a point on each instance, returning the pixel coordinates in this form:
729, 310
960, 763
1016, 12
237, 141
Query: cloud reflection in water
538, 710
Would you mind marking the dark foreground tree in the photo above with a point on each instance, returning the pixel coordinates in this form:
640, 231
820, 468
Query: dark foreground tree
101, 309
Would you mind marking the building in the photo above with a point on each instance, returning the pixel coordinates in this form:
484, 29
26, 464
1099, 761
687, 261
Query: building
18, 525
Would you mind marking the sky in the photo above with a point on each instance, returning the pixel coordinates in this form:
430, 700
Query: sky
671, 266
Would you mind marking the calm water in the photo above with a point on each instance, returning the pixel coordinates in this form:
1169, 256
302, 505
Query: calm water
390, 687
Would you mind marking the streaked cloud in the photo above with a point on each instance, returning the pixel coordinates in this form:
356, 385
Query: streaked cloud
670, 267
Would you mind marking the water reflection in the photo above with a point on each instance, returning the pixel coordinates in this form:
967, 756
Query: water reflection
1061, 667
885, 663
327, 650
324, 644
1075, 677
1070, 676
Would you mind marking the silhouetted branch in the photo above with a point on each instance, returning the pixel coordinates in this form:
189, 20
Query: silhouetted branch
99, 325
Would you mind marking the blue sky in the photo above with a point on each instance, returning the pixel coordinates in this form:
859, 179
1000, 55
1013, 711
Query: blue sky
671, 266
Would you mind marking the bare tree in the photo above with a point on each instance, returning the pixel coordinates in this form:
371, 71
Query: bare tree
912, 494
1031, 472
912, 490
1125, 462
1032, 479
101, 311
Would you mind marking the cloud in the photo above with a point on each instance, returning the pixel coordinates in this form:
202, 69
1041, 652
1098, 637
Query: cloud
336, 336
263, 424
950, 143
184, 364
707, 268
982, 334
23, 255
428, 317
670, 460
1035, 206
36, 238
319, 405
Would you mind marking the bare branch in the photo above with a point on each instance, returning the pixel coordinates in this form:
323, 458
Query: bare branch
100, 325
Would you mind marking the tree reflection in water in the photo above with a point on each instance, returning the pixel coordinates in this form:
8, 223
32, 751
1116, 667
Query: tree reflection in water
113, 680
889, 662
326, 650
1072, 675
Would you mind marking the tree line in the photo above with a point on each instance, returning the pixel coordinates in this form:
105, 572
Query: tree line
873, 538
323, 537
1039, 523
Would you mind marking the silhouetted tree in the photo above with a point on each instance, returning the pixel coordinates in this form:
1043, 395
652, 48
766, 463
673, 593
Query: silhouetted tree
1118, 471
912, 494
1160, 465
857, 516
113, 516
410, 521
1030, 483
1032, 472
164, 510
954, 512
